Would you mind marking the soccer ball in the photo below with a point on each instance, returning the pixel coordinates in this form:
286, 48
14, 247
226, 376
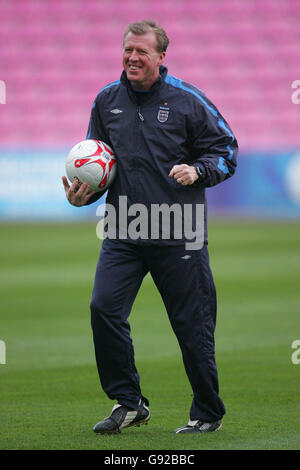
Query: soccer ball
93, 162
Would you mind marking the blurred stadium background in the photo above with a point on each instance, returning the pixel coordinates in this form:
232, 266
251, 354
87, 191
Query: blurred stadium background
56, 55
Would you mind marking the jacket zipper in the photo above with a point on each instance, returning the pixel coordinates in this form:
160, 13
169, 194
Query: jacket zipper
140, 115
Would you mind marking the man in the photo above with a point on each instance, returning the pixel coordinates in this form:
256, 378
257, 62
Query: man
171, 143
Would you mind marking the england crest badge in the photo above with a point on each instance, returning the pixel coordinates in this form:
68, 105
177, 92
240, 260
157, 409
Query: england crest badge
163, 114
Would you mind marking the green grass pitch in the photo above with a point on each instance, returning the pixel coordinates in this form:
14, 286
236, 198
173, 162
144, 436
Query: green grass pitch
50, 396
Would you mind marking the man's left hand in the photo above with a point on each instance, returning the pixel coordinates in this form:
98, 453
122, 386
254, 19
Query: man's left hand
184, 174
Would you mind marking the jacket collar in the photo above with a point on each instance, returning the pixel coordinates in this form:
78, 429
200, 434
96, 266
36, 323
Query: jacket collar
156, 86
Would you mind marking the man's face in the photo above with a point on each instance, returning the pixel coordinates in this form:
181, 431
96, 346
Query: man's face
141, 61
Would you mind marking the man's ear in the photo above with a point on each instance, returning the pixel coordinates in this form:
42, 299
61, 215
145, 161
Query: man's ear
162, 56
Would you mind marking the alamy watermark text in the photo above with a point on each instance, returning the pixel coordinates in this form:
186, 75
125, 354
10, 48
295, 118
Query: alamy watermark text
296, 94
296, 354
2, 352
2, 92
156, 222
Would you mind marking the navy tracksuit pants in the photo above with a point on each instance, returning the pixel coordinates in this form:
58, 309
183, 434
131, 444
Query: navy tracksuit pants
186, 285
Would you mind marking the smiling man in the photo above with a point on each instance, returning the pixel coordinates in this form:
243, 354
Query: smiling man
142, 59
171, 143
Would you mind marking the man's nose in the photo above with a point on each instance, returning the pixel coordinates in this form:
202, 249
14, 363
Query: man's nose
134, 56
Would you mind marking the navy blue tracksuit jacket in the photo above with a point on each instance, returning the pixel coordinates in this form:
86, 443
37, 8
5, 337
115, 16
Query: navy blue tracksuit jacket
172, 124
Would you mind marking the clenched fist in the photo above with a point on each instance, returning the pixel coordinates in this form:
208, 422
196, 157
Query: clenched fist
184, 174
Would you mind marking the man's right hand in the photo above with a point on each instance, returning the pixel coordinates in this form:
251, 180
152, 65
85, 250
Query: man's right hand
77, 194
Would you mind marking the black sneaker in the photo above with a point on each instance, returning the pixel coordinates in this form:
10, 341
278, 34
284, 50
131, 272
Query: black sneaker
123, 417
199, 426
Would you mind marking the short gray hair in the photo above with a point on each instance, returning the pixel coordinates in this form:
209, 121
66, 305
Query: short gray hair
143, 27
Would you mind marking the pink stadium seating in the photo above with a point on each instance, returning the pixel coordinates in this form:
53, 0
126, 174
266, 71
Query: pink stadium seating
55, 57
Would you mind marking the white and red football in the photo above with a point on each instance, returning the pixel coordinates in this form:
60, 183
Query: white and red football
92, 161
